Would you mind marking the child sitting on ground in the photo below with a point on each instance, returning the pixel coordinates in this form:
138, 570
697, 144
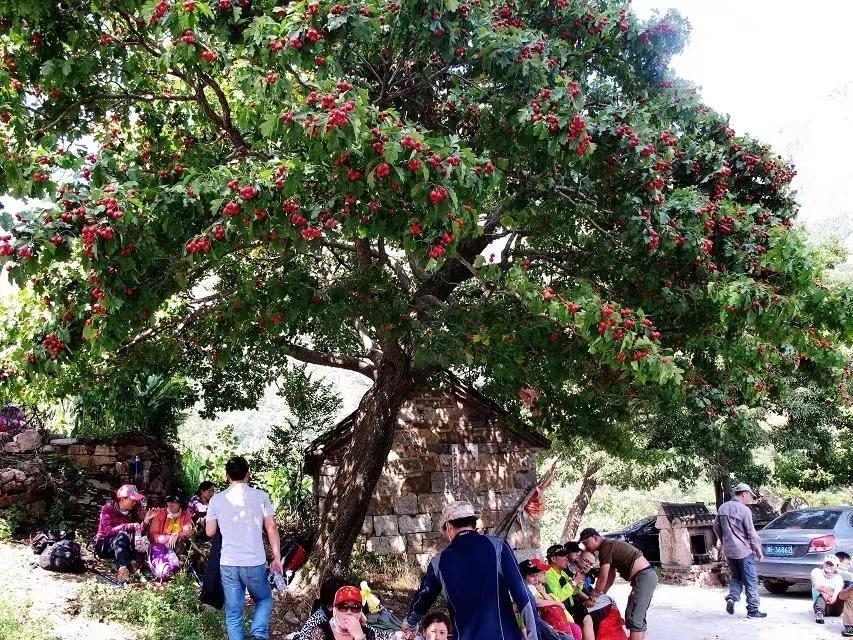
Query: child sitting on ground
551, 611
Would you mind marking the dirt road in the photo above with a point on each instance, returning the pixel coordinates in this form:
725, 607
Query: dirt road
691, 613
53, 597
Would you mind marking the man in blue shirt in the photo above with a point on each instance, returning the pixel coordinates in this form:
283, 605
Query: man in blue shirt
480, 580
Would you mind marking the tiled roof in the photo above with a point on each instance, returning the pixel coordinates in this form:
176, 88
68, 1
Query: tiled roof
685, 510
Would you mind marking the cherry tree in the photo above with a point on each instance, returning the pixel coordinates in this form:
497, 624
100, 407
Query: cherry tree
520, 192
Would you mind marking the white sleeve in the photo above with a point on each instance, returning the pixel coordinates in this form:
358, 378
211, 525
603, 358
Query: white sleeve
212, 509
266, 505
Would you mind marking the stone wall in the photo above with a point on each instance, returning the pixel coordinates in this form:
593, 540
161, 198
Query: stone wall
444, 449
25, 463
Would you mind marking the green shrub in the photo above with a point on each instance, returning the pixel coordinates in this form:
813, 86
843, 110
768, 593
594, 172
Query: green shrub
168, 612
16, 623
12, 520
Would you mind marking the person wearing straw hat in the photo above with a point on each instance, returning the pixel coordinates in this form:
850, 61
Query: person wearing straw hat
742, 547
480, 579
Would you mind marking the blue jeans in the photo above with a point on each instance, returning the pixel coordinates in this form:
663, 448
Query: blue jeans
744, 578
235, 582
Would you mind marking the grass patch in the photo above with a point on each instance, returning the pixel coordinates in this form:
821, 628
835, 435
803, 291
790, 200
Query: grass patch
16, 623
168, 612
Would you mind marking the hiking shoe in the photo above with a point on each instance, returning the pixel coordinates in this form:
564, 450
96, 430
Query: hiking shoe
122, 574
730, 606
756, 614
848, 631
818, 617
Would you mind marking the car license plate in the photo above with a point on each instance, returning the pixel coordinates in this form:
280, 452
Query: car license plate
779, 550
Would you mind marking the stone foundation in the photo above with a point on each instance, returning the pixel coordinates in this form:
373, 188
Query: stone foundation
701, 575
25, 461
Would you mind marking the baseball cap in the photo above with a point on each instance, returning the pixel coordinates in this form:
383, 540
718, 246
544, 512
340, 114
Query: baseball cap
743, 487
129, 491
532, 566
173, 499
586, 534
456, 510
556, 550
348, 594
572, 547
832, 559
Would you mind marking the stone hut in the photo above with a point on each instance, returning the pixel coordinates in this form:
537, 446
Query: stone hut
686, 533
451, 443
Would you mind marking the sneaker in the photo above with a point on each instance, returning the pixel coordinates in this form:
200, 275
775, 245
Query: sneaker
818, 617
730, 606
756, 614
848, 631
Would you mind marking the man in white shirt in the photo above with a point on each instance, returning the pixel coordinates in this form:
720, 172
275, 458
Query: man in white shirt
826, 585
241, 513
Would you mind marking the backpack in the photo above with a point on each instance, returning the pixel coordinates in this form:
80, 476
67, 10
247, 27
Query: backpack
40, 541
63, 556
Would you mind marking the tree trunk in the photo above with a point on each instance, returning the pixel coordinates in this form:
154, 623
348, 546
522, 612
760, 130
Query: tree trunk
373, 434
588, 486
722, 490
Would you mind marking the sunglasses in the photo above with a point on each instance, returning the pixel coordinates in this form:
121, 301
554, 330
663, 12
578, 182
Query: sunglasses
354, 608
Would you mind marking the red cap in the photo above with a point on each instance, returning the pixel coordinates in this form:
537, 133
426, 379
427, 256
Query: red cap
129, 491
536, 562
348, 594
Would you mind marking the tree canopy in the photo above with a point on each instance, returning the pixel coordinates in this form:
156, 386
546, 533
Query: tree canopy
518, 191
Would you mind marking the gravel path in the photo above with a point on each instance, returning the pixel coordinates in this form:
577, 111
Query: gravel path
691, 613
53, 597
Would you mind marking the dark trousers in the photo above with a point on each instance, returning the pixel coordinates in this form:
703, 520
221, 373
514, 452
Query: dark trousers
834, 609
211, 586
118, 547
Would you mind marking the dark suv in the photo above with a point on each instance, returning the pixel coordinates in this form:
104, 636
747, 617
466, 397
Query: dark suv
644, 535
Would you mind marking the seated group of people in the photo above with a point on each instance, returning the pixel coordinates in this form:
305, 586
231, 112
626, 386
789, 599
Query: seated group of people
562, 591
338, 614
126, 527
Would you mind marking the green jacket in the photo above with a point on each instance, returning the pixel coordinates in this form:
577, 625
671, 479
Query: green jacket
559, 585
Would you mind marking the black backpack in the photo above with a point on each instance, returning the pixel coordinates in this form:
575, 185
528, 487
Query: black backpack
63, 556
40, 541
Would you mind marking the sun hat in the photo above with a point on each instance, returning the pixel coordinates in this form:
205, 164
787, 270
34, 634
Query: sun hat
456, 510
347, 594
129, 491
742, 487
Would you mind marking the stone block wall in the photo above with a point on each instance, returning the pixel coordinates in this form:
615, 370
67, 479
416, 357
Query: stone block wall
25, 480
444, 450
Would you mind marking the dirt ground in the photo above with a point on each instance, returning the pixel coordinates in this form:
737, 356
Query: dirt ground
53, 597
691, 613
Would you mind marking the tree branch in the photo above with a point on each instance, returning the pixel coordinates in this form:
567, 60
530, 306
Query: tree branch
353, 363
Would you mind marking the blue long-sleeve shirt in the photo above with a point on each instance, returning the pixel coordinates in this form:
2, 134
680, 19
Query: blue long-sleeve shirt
480, 580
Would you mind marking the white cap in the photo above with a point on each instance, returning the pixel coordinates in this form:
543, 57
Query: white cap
743, 487
832, 559
456, 510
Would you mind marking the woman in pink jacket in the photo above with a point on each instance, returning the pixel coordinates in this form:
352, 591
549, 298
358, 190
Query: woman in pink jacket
169, 535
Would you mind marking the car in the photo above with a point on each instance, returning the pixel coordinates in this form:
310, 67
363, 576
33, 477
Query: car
644, 535
797, 541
